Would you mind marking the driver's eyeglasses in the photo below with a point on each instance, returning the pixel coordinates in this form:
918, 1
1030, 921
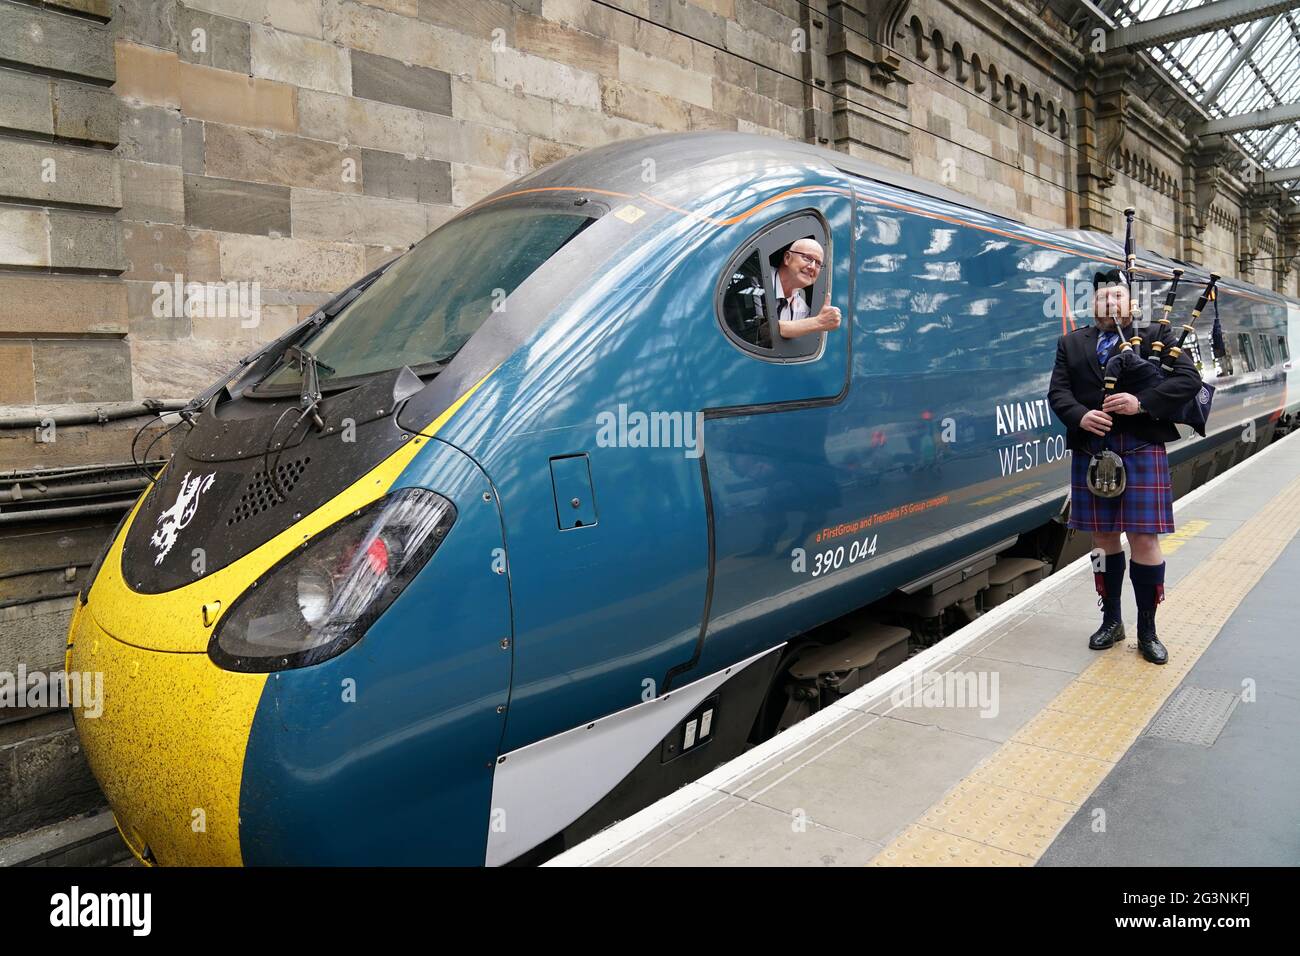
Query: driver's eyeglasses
811, 260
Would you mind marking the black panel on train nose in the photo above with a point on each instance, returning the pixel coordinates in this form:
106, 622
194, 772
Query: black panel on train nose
242, 507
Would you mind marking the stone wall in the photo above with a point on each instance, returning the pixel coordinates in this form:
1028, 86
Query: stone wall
994, 102
1221, 241
63, 317
299, 143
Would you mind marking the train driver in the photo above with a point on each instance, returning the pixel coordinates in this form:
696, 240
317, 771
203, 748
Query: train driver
800, 266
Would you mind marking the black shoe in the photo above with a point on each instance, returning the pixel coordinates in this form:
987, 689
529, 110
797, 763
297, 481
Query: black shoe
1153, 650
1149, 645
1108, 635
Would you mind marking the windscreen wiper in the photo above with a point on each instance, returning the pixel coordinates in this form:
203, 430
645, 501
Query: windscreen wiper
297, 357
258, 363
309, 398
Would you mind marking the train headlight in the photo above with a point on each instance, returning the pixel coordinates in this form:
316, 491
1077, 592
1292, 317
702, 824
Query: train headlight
314, 592
319, 600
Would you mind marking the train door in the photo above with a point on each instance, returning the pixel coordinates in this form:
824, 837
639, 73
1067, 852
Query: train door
768, 425
1290, 363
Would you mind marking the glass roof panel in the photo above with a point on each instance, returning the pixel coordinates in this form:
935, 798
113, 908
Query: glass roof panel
1269, 77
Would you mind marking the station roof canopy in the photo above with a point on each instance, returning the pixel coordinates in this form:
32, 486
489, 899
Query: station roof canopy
1239, 60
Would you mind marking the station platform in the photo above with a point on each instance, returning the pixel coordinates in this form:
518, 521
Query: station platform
1010, 743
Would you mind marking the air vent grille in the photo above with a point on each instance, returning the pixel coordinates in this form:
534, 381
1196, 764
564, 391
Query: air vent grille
260, 496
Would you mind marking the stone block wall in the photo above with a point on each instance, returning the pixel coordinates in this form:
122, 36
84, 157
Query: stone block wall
297, 144
1147, 180
63, 313
1220, 241
993, 105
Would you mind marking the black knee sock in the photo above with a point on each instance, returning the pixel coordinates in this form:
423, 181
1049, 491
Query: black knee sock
1110, 585
1148, 587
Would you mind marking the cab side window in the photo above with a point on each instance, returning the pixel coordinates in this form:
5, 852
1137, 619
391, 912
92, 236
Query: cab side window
743, 309
747, 304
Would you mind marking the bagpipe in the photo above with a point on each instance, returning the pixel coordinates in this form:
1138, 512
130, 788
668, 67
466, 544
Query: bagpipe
1106, 476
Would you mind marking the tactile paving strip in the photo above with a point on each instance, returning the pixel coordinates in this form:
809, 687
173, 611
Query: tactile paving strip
1194, 715
1000, 817
923, 846
1009, 809
1067, 778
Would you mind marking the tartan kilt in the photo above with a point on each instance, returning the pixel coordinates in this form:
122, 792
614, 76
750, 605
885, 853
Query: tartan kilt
1147, 504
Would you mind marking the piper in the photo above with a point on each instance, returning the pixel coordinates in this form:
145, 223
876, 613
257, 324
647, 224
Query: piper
1123, 487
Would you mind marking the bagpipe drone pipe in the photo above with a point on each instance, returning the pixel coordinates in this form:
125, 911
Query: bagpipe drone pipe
1127, 367
1136, 374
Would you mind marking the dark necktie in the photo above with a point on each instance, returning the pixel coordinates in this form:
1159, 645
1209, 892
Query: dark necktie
781, 304
1105, 343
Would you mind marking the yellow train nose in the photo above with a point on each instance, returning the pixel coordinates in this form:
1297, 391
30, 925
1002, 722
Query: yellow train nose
167, 746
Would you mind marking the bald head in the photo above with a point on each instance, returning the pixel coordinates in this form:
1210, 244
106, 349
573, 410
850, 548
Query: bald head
801, 264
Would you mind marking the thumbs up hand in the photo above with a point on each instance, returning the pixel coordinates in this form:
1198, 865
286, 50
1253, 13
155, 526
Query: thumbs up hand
829, 317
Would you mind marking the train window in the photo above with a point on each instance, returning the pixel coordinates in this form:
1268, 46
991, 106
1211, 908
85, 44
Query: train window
1247, 351
747, 297
742, 304
1267, 348
1282, 349
422, 310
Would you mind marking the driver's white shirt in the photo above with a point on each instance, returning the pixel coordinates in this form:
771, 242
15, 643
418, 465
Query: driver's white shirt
797, 308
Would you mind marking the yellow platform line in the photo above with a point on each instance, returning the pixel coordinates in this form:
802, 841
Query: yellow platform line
1010, 808
1189, 529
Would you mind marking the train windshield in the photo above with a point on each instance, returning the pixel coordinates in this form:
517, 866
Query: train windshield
427, 305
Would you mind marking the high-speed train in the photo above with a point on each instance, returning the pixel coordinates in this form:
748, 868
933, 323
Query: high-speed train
538, 523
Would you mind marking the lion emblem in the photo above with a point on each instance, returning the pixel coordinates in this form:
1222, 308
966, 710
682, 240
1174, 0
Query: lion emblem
175, 518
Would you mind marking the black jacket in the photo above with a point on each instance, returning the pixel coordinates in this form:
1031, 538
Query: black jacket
1077, 380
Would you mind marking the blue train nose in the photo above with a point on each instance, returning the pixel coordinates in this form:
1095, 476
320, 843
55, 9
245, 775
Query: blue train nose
384, 754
